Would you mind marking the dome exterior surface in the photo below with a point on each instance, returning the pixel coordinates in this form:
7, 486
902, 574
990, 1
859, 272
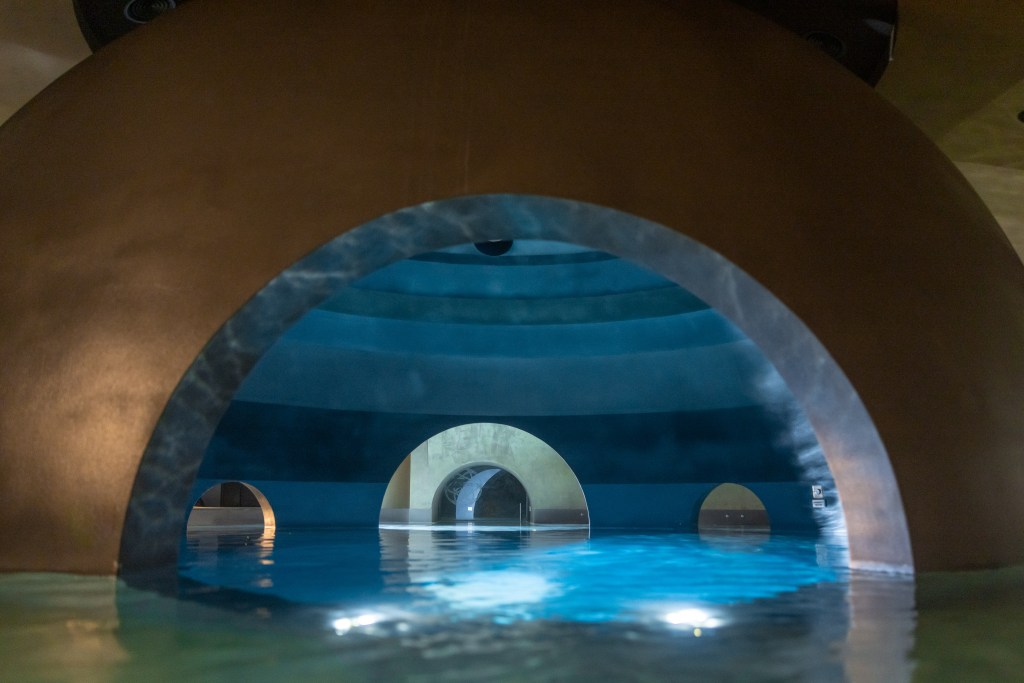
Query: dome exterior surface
150, 192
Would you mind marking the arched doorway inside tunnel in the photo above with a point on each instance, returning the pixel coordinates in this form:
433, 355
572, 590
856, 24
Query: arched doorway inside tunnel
231, 505
320, 296
733, 508
484, 473
482, 494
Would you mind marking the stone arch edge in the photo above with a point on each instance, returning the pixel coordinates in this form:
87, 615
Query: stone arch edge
878, 533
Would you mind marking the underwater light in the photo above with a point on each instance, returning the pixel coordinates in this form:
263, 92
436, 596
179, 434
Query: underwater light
343, 625
692, 617
494, 589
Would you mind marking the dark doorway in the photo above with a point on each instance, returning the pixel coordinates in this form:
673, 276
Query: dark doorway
483, 494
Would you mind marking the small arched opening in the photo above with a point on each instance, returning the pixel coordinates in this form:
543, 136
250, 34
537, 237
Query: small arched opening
733, 508
484, 494
231, 505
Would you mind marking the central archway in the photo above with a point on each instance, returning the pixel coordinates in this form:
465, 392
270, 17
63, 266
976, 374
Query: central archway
877, 528
446, 476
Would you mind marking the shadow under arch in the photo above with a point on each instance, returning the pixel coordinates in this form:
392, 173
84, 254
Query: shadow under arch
876, 524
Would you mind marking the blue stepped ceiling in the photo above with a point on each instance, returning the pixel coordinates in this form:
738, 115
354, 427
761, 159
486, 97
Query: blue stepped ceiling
648, 393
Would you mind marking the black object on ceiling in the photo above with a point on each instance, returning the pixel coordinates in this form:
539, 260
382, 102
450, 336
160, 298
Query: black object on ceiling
859, 34
103, 21
494, 247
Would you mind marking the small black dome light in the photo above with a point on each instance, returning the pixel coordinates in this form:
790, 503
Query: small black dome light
829, 43
142, 11
494, 247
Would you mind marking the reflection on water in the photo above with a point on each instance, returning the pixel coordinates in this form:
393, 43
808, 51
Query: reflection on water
58, 624
503, 606
775, 608
568, 574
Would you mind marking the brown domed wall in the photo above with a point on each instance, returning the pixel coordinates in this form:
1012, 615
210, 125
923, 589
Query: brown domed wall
146, 195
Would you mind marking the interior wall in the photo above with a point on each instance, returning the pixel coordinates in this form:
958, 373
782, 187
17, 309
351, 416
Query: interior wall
636, 470
396, 497
639, 382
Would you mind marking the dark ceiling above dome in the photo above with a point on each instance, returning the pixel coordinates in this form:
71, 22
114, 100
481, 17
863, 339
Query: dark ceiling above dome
859, 34
103, 21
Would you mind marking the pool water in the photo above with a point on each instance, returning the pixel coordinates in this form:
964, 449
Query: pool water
488, 604
508, 574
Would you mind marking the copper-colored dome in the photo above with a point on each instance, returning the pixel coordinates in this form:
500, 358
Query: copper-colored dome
150, 192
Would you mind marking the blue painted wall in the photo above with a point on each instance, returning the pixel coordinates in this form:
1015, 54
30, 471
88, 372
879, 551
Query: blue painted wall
651, 397
320, 466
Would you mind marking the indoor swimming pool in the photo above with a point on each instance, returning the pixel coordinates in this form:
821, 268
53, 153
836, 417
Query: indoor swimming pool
508, 604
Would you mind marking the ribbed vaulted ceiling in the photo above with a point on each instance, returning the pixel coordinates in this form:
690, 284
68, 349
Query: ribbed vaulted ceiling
544, 329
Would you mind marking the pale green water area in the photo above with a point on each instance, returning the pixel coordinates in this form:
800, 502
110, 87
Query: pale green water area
501, 606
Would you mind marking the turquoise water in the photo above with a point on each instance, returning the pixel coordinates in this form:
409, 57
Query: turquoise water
508, 606
508, 574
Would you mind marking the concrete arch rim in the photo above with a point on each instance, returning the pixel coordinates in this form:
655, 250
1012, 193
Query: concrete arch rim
879, 537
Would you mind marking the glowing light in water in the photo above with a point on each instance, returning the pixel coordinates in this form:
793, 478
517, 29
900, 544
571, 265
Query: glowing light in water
692, 617
343, 625
493, 589
675, 581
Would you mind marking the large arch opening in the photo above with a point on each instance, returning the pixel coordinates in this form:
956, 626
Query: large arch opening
649, 392
850, 446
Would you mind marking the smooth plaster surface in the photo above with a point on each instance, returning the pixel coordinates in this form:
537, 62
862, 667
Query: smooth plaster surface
134, 224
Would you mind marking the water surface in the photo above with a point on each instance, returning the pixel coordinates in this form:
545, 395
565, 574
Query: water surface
508, 606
